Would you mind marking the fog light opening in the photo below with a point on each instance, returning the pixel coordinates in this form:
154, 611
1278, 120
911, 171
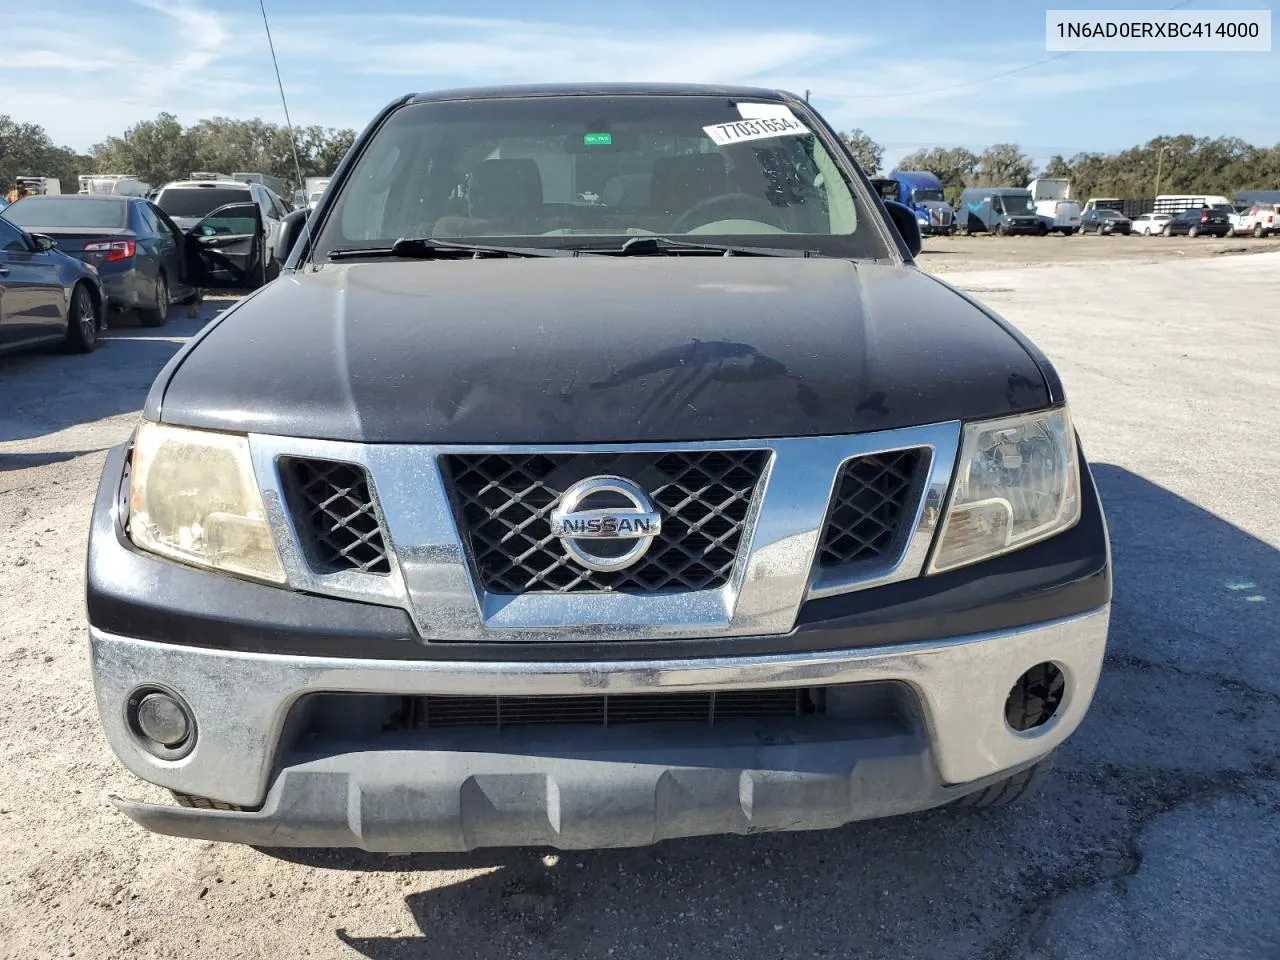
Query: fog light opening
162, 722
1035, 698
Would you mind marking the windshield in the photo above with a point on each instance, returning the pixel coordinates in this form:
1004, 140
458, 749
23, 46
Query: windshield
1015, 203
65, 212
927, 193
592, 171
199, 201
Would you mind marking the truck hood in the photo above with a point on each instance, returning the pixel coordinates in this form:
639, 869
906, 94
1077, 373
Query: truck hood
582, 350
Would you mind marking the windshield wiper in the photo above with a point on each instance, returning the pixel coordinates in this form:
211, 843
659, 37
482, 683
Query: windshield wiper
425, 248
666, 247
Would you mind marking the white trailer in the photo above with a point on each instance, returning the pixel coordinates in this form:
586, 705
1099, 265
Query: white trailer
1052, 197
114, 184
1175, 203
49, 186
313, 189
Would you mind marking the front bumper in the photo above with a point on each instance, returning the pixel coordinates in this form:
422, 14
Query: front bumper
574, 787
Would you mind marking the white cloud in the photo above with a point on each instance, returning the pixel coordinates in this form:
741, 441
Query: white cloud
101, 71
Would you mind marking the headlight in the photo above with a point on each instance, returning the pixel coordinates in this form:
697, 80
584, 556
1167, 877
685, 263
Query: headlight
1017, 481
193, 497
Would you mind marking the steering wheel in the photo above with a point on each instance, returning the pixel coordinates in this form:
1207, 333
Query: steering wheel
728, 206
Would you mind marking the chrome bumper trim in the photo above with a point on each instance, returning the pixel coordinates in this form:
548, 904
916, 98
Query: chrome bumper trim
241, 700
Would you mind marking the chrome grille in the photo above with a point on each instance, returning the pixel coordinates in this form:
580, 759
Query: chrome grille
873, 494
503, 501
438, 712
333, 510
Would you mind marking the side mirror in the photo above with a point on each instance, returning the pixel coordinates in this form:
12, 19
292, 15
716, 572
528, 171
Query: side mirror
291, 228
41, 244
905, 220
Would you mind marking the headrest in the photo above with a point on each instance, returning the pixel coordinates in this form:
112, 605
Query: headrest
505, 188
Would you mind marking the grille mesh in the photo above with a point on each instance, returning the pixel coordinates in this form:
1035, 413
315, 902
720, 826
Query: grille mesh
872, 495
436, 712
503, 502
333, 510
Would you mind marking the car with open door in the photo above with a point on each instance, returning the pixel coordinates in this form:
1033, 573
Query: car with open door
190, 202
45, 295
226, 248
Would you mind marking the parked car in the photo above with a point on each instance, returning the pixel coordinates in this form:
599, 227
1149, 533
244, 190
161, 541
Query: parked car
1259, 220
45, 295
1104, 221
561, 538
998, 210
1195, 221
1146, 224
138, 252
187, 202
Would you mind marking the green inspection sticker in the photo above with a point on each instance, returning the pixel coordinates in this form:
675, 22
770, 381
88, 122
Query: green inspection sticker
597, 139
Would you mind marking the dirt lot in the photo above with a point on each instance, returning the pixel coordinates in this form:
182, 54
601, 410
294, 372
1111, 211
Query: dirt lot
986, 252
1157, 837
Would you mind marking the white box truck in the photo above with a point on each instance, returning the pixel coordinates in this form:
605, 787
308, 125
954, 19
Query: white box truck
1054, 206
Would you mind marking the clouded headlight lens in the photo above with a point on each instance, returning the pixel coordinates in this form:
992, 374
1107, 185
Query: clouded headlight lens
1017, 482
193, 497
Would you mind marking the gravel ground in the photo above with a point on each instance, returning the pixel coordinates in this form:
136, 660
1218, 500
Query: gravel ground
987, 252
1156, 837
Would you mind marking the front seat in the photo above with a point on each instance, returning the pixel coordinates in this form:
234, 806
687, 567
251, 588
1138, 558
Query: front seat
505, 196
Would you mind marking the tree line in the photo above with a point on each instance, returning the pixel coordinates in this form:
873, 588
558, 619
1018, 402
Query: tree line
160, 150
1182, 164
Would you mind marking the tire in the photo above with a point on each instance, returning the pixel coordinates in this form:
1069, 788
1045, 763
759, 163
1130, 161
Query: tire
999, 231
158, 315
1167, 232
82, 321
1042, 230
1009, 791
1231, 232
1193, 231
1258, 232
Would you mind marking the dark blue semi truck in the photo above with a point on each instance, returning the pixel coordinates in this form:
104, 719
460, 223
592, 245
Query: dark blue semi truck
923, 193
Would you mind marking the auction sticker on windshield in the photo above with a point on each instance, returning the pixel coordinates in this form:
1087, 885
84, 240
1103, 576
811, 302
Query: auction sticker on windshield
760, 121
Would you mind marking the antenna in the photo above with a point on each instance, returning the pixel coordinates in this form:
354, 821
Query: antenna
293, 140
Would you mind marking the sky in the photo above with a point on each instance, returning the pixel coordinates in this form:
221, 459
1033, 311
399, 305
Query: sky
911, 73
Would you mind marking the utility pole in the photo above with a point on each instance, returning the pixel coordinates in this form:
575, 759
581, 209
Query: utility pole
806, 96
1160, 166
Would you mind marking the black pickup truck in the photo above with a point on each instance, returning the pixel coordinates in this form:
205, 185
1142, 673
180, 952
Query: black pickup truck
601, 469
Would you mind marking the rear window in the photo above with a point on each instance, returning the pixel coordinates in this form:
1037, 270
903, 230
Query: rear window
198, 201
32, 212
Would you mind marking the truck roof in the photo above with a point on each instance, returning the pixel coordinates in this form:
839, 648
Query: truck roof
917, 178
602, 89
